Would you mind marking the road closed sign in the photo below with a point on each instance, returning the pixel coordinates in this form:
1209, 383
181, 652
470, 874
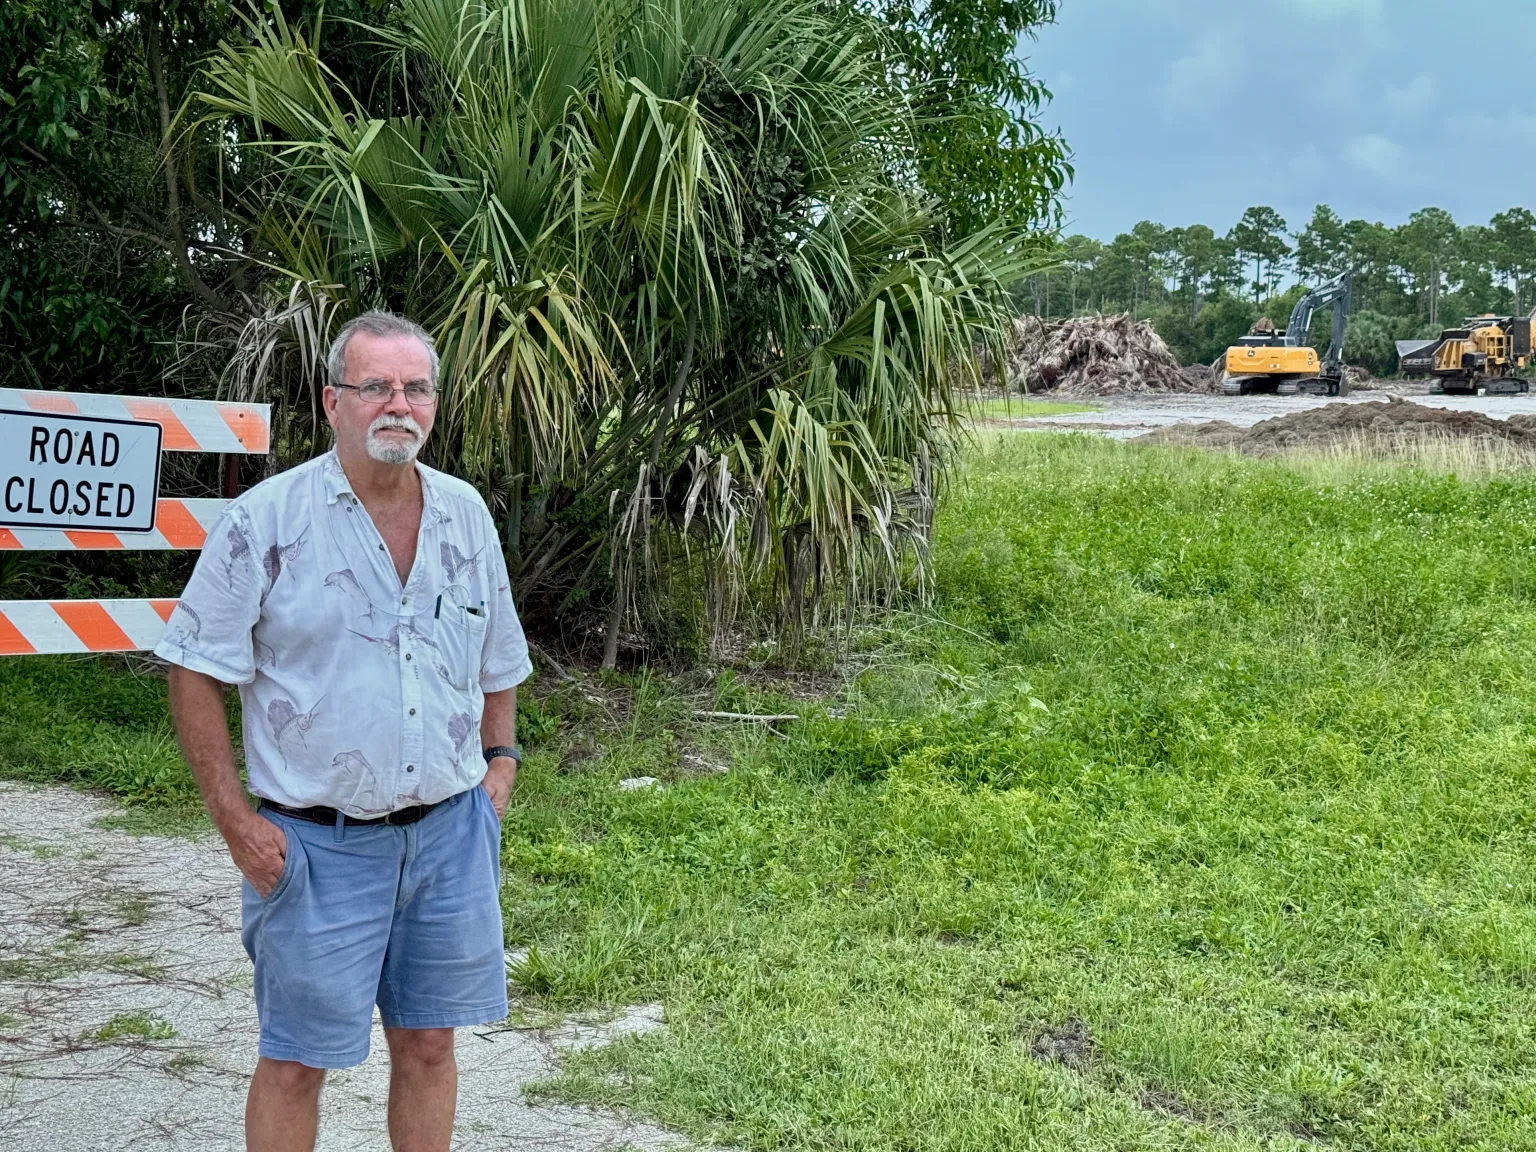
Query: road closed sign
78, 472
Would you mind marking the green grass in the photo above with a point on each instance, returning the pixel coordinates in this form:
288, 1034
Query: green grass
92, 723
1018, 408
1195, 813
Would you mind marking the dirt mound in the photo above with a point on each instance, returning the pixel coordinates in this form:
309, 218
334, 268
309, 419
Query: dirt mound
1097, 356
1212, 434
1380, 424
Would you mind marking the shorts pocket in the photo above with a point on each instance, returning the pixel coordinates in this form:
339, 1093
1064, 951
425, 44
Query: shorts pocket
490, 805
290, 863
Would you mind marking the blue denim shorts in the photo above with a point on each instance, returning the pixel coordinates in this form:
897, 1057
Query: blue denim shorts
407, 917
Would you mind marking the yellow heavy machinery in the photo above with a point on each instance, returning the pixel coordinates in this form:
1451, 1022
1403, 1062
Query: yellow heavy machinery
1281, 361
1484, 357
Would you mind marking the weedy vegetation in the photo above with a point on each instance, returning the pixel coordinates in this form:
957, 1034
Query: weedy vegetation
1193, 813
1013, 407
133, 1027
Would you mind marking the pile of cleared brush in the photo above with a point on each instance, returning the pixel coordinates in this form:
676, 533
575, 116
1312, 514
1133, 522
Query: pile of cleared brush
1097, 356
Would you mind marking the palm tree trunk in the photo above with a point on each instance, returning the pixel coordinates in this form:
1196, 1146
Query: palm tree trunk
677, 387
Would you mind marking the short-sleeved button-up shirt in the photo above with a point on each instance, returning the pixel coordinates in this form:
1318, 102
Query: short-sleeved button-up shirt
356, 693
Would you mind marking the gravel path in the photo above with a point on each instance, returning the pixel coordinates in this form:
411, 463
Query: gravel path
127, 1020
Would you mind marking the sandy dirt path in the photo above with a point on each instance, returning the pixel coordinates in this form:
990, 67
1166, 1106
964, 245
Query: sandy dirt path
106, 936
1123, 417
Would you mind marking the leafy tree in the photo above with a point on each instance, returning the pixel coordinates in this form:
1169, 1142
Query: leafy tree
1512, 252
1427, 247
1322, 248
115, 227
102, 249
1080, 256
1202, 262
1260, 237
980, 151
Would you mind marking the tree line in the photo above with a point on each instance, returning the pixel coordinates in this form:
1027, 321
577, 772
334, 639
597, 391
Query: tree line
1202, 289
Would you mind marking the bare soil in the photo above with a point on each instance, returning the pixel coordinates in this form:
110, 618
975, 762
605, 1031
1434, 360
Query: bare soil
1389, 423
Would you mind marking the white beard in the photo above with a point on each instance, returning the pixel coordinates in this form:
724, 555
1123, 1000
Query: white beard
392, 451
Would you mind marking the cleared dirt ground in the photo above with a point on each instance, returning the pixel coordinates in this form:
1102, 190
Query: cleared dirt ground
1126, 417
127, 1019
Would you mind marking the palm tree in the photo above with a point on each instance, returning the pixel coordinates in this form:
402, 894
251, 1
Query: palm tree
685, 288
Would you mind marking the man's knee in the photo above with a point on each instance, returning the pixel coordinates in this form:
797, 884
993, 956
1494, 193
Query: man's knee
289, 1076
424, 1047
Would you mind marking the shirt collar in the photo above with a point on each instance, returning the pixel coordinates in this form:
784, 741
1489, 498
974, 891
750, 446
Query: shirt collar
334, 477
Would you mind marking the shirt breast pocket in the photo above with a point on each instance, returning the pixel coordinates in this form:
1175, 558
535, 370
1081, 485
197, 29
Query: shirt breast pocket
463, 642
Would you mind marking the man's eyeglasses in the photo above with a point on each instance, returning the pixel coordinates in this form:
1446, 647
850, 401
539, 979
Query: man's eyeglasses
376, 392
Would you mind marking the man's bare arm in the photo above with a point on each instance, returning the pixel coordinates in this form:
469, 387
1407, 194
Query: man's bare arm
256, 844
498, 725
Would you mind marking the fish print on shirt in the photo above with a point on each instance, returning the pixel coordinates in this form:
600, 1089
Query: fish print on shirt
289, 725
391, 642
346, 583
275, 557
460, 725
185, 631
239, 547
456, 564
265, 657
355, 764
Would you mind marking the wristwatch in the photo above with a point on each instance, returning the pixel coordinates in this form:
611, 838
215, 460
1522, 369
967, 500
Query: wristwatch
496, 750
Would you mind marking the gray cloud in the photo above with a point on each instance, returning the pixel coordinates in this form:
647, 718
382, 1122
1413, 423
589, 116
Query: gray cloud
1343, 106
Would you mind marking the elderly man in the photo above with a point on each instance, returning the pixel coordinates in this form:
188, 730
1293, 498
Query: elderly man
361, 603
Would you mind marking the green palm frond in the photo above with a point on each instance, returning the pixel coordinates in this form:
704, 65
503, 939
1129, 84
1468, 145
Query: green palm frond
681, 277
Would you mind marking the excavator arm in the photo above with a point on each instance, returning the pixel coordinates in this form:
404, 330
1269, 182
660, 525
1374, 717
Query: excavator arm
1336, 293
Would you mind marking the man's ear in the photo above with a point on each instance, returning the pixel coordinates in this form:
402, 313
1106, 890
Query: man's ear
329, 397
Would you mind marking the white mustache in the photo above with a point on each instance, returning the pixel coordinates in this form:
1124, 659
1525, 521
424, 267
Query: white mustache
405, 423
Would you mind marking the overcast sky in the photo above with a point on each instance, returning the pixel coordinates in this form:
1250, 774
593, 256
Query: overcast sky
1189, 111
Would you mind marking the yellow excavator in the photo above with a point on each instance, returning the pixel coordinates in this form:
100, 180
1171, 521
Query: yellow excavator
1267, 360
1484, 357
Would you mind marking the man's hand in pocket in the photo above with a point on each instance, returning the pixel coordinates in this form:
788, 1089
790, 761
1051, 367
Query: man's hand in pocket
499, 777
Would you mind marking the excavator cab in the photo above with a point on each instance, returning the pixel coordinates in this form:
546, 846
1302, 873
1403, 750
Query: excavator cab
1268, 360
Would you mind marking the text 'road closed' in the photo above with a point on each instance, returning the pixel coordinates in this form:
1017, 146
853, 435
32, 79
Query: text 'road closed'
78, 472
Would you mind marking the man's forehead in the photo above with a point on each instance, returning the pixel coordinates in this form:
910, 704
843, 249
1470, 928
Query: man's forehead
382, 356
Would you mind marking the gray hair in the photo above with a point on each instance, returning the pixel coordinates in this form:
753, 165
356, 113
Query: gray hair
375, 322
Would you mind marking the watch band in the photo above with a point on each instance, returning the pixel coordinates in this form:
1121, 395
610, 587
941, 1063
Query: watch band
496, 750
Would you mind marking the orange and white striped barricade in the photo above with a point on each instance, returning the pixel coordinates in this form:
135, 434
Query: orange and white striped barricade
53, 448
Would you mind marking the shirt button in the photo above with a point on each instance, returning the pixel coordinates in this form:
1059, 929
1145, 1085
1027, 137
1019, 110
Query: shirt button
407, 655
413, 711
410, 767
404, 600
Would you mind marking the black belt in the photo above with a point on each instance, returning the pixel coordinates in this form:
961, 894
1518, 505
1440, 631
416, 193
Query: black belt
323, 815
